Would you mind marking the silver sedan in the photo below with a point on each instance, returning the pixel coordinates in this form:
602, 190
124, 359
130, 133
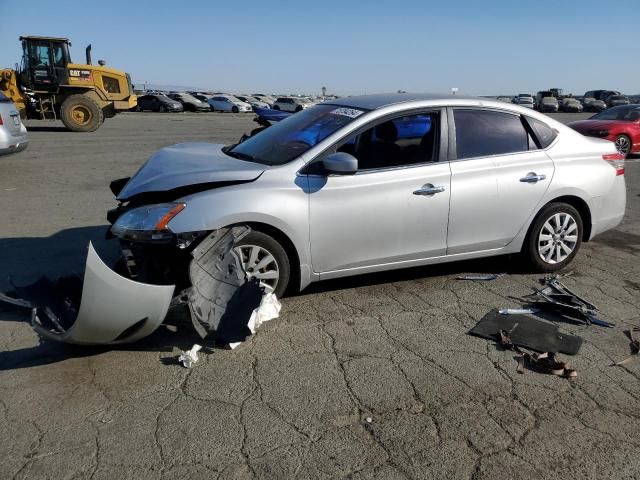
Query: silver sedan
373, 183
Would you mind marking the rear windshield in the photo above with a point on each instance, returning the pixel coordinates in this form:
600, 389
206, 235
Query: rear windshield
625, 113
293, 136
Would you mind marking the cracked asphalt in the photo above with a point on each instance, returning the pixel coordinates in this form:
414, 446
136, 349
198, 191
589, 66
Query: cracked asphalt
362, 378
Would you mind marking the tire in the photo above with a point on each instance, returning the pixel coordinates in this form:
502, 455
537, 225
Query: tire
138, 108
81, 113
299, 108
161, 109
235, 109
542, 241
265, 245
276, 107
623, 144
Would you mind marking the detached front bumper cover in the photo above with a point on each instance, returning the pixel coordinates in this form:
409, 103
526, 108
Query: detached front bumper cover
113, 309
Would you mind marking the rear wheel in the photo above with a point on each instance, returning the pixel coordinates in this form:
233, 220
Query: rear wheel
623, 144
265, 259
554, 238
81, 113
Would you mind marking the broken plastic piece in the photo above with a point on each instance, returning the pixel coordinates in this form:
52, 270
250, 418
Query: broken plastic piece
190, 357
112, 309
268, 310
222, 299
481, 276
557, 298
528, 332
517, 311
634, 345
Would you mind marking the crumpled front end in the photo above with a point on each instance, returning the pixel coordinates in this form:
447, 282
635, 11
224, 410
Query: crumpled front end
107, 308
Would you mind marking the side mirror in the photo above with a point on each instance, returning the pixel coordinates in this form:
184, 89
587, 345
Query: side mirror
340, 163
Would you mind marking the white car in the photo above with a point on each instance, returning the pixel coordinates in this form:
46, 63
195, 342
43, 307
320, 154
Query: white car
253, 101
291, 104
229, 103
525, 101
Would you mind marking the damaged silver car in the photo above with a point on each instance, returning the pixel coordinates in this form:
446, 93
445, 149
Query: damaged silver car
359, 185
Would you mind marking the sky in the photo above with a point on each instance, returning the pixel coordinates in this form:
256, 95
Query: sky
481, 47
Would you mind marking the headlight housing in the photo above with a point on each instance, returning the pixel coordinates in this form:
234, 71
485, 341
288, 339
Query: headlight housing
148, 223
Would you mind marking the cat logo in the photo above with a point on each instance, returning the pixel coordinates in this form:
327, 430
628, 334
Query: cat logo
80, 74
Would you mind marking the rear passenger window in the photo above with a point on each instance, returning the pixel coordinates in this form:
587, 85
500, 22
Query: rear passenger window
482, 133
543, 132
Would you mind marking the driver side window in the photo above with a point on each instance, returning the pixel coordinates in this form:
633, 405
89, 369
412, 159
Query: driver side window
396, 142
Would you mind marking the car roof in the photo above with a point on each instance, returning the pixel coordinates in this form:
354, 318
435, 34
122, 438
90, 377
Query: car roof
373, 102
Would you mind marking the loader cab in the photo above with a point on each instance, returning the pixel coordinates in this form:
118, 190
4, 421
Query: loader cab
44, 63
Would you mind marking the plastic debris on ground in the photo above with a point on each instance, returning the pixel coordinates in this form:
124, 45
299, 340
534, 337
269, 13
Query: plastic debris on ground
556, 298
485, 277
190, 357
634, 345
529, 332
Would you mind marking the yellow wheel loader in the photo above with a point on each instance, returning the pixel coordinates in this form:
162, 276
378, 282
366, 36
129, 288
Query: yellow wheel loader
49, 86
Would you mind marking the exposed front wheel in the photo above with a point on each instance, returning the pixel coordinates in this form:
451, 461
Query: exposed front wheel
554, 238
265, 259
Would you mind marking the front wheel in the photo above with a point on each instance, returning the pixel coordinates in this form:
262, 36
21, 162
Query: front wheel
554, 238
623, 144
162, 109
81, 113
265, 259
235, 109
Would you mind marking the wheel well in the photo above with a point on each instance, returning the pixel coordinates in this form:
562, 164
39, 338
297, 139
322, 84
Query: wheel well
289, 247
582, 208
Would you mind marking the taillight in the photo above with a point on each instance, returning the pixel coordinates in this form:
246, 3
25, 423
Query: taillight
0, 119
616, 160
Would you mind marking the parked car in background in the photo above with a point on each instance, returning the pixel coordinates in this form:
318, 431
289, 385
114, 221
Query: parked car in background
190, 103
570, 104
229, 103
253, 101
13, 134
605, 94
291, 104
548, 104
503, 98
157, 102
265, 98
617, 100
620, 125
388, 182
593, 105
525, 101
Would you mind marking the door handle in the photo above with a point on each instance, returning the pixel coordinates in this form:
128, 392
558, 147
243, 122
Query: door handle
533, 177
428, 189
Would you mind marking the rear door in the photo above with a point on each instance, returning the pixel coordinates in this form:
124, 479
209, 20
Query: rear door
498, 178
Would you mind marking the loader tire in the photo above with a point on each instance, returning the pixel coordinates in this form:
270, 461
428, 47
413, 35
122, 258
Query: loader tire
80, 113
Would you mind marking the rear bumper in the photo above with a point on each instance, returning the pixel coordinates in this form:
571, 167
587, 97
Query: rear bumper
12, 143
608, 211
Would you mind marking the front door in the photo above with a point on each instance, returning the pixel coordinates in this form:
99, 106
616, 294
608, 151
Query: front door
394, 209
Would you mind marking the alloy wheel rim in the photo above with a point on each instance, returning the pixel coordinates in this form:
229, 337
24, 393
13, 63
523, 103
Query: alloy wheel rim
623, 145
558, 238
259, 263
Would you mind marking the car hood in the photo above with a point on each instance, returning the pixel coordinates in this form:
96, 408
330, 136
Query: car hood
188, 164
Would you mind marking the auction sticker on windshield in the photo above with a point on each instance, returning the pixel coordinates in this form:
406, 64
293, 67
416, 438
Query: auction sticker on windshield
347, 112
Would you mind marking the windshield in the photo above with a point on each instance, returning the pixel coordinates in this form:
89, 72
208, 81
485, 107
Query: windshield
294, 135
626, 113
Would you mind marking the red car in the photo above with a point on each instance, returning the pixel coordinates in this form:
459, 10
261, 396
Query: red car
620, 124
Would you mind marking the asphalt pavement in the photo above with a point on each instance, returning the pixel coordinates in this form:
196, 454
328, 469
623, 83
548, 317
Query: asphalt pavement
367, 377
